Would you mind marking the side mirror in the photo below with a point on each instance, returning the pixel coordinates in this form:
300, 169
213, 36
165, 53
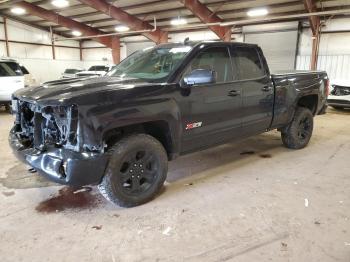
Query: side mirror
200, 76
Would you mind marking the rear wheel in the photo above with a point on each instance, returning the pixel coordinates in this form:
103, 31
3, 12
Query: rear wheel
298, 134
136, 171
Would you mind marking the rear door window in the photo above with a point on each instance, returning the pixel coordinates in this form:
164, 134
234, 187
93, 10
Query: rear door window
24, 70
248, 63
15, 68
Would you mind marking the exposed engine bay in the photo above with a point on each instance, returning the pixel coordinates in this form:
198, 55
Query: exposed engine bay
41, 126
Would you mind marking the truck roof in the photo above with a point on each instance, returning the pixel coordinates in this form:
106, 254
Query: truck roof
207, 43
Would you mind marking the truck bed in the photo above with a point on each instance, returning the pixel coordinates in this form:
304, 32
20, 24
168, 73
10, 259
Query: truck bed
295, 72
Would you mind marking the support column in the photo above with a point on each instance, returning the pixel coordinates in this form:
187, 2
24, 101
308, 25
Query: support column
81, 50
163, 38
53, 50
315, 49
6, 37
116, 49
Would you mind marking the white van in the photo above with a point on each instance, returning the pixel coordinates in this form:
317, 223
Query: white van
11, 79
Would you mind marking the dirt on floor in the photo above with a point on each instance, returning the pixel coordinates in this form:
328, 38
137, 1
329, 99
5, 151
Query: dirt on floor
249, 201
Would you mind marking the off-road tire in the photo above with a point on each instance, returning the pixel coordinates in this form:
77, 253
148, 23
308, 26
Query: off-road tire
112, 186
298, 133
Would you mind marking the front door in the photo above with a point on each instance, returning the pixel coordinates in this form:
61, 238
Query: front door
211, 112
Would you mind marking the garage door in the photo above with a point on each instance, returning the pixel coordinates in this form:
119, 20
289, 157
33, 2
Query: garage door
278, 41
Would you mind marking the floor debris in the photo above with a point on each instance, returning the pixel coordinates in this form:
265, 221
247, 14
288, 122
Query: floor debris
32, 170
306, 202
167, 231
265, 155
8, 193
84, 189
247, 153
97, 227
284, 246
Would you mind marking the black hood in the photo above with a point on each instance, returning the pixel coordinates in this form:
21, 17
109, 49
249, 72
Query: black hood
65, 90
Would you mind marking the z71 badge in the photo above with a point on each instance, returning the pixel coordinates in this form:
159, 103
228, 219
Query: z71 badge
193, 125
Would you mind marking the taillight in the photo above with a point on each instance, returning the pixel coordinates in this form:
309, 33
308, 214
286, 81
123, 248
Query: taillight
327, 87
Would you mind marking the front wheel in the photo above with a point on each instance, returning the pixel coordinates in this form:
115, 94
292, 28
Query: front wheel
298, 134
136, 171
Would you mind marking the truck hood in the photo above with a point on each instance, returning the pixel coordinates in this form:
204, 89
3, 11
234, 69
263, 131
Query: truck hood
64, 90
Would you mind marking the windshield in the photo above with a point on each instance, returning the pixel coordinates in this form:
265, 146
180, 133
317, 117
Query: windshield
151, 63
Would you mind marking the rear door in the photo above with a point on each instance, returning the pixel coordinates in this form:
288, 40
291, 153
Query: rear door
211, 112
257, 89
10, 82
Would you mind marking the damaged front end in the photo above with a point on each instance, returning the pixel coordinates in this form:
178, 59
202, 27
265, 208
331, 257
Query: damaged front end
47, 138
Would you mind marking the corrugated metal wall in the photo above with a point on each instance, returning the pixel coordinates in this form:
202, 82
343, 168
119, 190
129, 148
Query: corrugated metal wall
278, 42
334, 51
337, 66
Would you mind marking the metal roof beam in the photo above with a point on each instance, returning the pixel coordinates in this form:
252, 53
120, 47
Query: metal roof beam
207, 16
156, 35
65, 22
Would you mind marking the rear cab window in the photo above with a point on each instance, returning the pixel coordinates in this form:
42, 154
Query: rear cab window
248, 63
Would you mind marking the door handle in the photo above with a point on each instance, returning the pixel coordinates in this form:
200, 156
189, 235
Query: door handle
266, 88
234, 93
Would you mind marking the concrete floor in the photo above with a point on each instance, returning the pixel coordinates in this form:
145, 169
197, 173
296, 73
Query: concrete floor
218, 205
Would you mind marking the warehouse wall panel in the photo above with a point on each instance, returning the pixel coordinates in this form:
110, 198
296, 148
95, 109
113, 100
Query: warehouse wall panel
278, 42
2, 49
334, 51
48, 69
64, 53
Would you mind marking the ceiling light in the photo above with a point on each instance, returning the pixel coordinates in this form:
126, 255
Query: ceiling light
121, 28
178, 21
76, 33
18, 11
258, 12
60, 3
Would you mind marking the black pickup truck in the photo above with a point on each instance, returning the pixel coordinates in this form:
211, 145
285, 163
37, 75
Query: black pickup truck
119, 131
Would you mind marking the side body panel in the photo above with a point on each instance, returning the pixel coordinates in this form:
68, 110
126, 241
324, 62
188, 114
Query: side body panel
9, 85
290, 88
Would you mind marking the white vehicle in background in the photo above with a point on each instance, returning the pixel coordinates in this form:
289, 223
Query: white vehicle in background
339, 95
11, 79
29, 80
20, 70
95, 71
70, 73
